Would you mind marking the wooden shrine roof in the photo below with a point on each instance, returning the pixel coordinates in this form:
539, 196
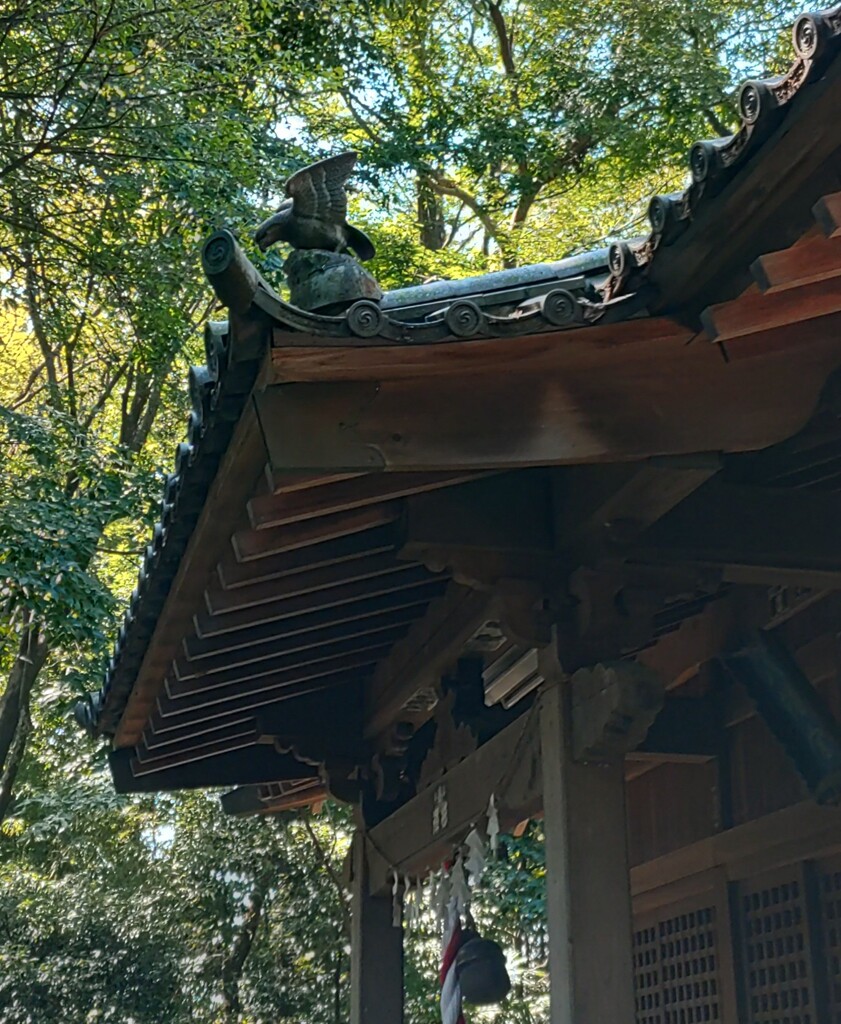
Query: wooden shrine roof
297, 594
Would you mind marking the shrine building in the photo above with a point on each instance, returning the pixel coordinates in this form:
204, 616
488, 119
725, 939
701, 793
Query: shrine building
567, 536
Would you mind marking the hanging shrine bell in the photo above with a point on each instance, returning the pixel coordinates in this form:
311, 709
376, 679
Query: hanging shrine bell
481, 971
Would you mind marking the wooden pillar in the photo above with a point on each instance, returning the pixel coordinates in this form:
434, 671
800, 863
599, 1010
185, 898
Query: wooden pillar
588, 887
376, 965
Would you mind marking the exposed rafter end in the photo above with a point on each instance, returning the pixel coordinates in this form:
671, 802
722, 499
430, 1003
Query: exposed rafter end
827, 212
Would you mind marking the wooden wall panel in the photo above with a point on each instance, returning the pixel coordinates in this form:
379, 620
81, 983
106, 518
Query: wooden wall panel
762, 778
671, 806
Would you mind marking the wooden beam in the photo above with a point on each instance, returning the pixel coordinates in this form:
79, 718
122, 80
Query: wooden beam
166, 715
272, 719
506, 513
752, 533
406, 838
534, 353
234, 738
271, 510
253, 544
802, 831
598, 506
235, 768
267, 682
589, 399
686, 728
827, 213
289, 643
409, 577
721, 627
817, 259
288, 662
432, 645
368, 609
234, 574
247, 800
220, 600
588, 898
795, 712
242, 733
755, 313
376, 966
152, 740
295, 705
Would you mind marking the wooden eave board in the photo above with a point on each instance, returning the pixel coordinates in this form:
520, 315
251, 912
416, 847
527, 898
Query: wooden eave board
331, 607
616, 393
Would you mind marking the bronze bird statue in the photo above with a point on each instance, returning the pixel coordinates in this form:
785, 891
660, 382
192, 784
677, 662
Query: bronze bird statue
315, 214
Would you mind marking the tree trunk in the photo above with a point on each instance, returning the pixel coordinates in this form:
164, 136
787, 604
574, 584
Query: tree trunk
13, 762
235, 963
433, 231
32, 653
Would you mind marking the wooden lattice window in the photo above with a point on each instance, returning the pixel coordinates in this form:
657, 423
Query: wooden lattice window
689, 968
647, 976
676, 968
830, 906
776, 951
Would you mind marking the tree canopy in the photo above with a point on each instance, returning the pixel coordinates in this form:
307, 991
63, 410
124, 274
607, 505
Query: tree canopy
490, 134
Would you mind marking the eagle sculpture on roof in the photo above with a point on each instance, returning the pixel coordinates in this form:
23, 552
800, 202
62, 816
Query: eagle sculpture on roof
315, 214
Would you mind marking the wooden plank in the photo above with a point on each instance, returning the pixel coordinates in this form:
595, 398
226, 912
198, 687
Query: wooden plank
290, 661
288, 483
247, 800
220, 601
588, 899
432, 645
270, 682
288, 643
152, 740
506, 513
376, 966
235, 738
406, 839
149, 748
600, 504
295, 712
407, 578
367, 609
535, 353
585, 403
818, 259
252, 765
176, 718
233, 574
740, 527
241, 467
754, 314
686, 729
352, 492
783, 837
253, 544
677, 657
827, 213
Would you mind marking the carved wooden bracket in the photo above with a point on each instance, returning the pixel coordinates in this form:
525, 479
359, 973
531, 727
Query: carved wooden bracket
524, 614
613, 707
453, 743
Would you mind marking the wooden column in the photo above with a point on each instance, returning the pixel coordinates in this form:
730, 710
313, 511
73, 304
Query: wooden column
376, 970
588, 890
